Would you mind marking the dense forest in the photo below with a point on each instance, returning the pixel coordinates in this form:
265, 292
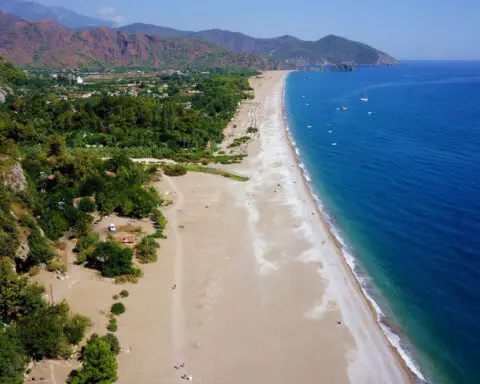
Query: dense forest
165, 126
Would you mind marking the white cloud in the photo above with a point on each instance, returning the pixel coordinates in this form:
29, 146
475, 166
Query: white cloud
109, 13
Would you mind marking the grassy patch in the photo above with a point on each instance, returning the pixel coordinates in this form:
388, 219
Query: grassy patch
214, 171
239, 141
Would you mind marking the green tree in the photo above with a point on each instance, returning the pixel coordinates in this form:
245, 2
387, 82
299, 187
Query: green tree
82, 225
42, 332
10, 292
12, 359
87, 205
8, 227
54, 224
17, 297
113, 342
99, 364
40, 250
117, 308
111, 259
76, 327
56, 145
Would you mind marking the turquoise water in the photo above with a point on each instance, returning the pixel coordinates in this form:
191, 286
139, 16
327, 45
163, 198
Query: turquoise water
401, 186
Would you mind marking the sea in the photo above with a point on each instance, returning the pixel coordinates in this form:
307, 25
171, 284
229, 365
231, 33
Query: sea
398, 180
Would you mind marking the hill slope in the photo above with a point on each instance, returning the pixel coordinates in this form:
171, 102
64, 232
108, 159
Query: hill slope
289, 50
47, 44
33, 11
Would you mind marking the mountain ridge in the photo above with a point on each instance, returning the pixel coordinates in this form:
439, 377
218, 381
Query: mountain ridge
289, 50
46, 44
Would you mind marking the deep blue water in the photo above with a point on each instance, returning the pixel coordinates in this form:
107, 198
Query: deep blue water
402, 186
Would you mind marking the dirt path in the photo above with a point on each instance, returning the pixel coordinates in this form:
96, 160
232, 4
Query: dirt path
178, 312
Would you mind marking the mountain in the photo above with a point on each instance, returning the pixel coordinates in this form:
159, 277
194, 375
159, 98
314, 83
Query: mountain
289, 50
48, 44
33, 11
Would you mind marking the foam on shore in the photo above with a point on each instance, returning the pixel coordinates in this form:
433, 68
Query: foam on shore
362, 279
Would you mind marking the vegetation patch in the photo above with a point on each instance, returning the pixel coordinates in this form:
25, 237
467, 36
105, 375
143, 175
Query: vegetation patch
174, 170
117, 308
34, 329
239, 141
146, 250
214, 171
112, 325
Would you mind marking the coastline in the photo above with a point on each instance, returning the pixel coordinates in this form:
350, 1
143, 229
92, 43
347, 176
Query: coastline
364, 316
261, 295
401, 355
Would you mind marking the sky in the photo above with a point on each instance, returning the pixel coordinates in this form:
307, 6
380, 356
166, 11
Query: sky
406, 29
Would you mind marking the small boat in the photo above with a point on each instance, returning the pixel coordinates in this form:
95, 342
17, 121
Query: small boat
334, 144
307, 105
344, 108
309, 126
330, 131
369, 113
364, 98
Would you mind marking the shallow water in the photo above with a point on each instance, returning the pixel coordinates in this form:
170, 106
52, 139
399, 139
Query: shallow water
400, 186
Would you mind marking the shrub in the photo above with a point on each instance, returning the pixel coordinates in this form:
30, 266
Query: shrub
124, 293
252, 130
34, 271
26, 221
146, 250
174, 170
117, 308
157, 235
53, 266
112, 325
115, 297
158, 216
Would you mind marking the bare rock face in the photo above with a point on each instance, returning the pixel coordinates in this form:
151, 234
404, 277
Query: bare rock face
22, 251
14, 177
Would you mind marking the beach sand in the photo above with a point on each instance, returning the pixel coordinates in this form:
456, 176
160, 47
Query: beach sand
262, 294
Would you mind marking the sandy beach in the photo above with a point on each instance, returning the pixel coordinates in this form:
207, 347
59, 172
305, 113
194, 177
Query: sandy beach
262, 294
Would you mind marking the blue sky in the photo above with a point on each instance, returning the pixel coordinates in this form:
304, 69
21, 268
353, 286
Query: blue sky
407, 29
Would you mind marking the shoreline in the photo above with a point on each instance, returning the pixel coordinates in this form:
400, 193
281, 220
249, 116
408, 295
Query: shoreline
411, 370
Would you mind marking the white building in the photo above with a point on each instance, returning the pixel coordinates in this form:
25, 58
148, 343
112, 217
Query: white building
79, 80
